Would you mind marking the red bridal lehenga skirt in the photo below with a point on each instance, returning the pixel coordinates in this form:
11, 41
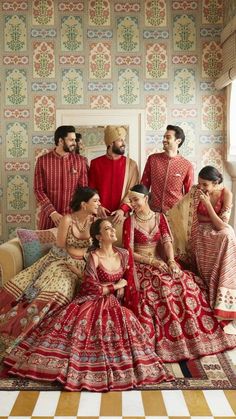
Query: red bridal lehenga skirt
177, 317
98, 346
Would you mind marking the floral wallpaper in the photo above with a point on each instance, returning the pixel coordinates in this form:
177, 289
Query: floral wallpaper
162, 56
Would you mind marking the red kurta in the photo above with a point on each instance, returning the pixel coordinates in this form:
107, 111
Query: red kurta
169, 178
106, 175
55, 180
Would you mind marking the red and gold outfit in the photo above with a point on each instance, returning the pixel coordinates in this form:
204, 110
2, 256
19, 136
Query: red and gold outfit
55, 180
94, 343
169, 179
113, 178
175, 312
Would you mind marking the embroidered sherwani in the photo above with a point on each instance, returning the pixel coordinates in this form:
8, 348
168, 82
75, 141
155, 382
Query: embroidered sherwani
113, 178
169, 179
55, 180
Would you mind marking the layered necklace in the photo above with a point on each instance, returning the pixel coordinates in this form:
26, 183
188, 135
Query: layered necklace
145, 218
81, 225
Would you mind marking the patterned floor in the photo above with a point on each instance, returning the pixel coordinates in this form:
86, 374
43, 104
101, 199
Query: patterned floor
194, 404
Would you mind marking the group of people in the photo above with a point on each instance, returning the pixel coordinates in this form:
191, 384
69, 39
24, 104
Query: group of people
98, 317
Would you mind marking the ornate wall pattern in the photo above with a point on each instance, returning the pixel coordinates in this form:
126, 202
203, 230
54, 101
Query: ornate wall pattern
159, 55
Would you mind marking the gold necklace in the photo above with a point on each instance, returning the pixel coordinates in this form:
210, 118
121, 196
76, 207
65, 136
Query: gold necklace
146, 218
81, 225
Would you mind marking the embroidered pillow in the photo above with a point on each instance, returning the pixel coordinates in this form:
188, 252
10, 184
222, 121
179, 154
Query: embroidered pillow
35, 243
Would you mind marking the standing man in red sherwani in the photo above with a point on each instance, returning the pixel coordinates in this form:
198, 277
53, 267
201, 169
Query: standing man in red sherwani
113, 174
57, 175
169, 175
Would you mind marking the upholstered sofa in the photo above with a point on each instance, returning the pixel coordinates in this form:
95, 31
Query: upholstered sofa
13, 252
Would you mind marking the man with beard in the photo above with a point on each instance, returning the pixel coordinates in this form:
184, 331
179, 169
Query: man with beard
113, 174
80, 147
168, 174
57, 175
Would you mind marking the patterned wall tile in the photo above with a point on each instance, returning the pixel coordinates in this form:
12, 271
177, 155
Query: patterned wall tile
212, 11
211, 60
128, 60
15, 33
44, 113
156, 61
214, 157
100, 87
16, 87
99, 12
213, 112
127, 34
156, 112
128, 87
43, 139
155, 13
100, 60
43, 33
17, 140
100, 102
70, 6
154, 86
43, 86
99, 34
15, 60
127, 7
14, 5
71, 33
156, 34
184, 86
17, 193
185, 5
184, 33
72, 91
43, 60
16, 113
184, 59
43, 12
72, 59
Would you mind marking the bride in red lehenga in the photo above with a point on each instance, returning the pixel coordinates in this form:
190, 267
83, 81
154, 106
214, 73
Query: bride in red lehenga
94, 343
171, 304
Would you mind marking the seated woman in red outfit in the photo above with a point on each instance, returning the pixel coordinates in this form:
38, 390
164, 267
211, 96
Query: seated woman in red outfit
51, 281
94, 343
171, 304
210, 241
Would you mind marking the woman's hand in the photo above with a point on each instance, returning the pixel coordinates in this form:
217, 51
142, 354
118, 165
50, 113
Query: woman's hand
121, 284
174, 269
120, 293
160, 264
205, 198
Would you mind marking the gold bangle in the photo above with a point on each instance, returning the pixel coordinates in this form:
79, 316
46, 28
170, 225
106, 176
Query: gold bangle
170, 261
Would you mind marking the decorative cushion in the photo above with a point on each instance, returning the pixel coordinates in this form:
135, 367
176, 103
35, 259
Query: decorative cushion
35, 243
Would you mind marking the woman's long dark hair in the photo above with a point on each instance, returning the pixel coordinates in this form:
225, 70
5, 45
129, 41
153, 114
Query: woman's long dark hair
211, 173
94, 231
140, 188
81, 194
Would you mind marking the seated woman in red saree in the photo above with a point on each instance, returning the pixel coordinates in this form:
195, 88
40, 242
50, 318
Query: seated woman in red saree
201, 230
171, 304
94, 343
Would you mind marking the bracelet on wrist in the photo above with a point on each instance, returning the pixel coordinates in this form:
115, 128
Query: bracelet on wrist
170, 261
111, 288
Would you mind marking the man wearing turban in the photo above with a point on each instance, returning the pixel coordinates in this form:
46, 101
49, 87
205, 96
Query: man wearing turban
113, 174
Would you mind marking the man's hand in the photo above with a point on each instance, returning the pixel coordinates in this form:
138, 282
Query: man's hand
56, 218
118, 216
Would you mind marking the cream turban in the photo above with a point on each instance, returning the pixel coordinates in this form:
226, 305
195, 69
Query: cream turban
113, 133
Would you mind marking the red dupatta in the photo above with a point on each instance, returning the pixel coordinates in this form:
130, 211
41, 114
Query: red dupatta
131, 298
